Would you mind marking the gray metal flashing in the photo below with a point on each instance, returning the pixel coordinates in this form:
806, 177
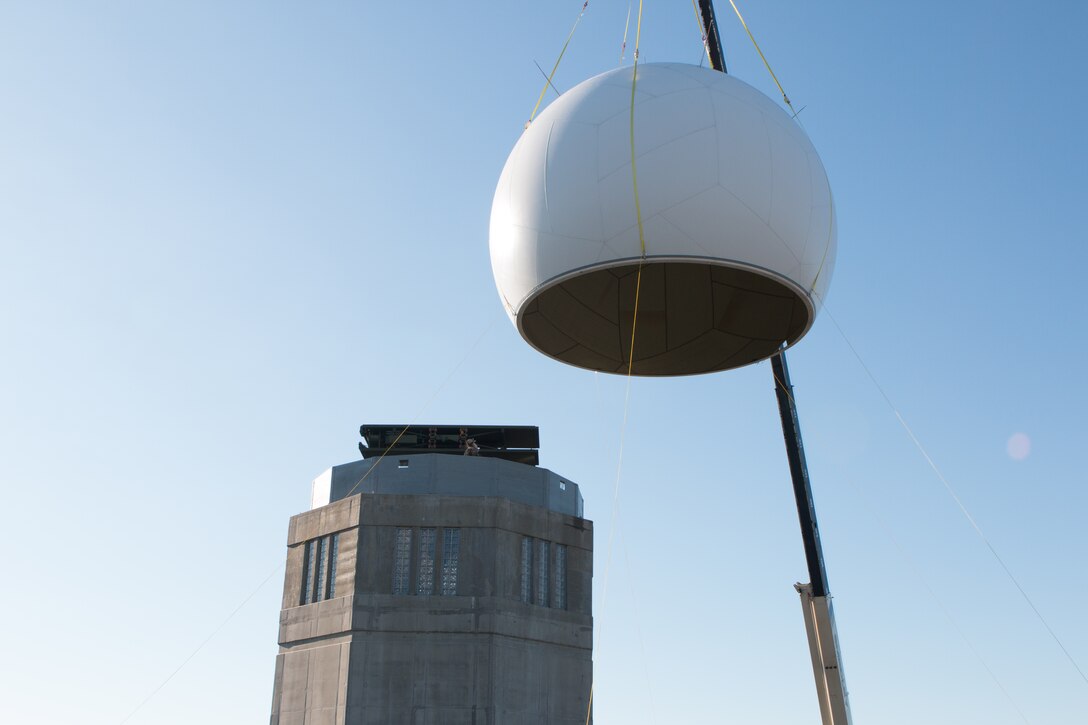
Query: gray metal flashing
446, 475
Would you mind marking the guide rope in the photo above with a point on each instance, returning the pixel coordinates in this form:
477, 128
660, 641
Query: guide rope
830, 231
910, 433
955, 497
200, 646
637, 611
940, 605
616, 484
555, 67
626, 25
631, 352
264, 581
424, 407
920, 577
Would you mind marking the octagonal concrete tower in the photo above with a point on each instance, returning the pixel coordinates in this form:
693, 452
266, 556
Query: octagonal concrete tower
737, 239
430, 586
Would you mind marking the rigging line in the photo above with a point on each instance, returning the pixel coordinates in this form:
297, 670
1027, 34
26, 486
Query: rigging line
634, 170
768, 65
626, 25
546, 78
920, 577
426, 405
630, 359
634, 329
631, 353
200, 646
830, 215
795, 119
544, 90
830, 207
616, 485
278, 567
940, 605
638, 628
830, 227
955, 497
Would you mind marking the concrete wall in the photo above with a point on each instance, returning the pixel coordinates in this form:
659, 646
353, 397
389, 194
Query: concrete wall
482, 657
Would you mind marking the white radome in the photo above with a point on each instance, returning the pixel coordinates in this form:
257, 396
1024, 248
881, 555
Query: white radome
738, 219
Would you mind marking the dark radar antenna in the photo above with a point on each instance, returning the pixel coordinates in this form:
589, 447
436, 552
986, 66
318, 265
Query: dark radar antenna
517, 443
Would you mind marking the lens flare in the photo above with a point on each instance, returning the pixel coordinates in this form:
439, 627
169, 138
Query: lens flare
1018, 446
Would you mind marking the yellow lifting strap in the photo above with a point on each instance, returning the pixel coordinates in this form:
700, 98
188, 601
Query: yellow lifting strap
768, 65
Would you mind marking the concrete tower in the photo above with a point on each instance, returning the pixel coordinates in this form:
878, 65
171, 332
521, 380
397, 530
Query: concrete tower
430, 586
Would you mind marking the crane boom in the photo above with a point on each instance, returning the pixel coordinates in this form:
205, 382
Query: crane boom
823, 640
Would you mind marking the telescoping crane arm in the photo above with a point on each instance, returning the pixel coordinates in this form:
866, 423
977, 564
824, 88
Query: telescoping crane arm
823, 643
823, 640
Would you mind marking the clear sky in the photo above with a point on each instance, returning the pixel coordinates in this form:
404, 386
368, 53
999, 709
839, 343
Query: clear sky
232, 232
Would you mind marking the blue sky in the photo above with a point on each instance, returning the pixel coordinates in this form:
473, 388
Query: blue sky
231, 233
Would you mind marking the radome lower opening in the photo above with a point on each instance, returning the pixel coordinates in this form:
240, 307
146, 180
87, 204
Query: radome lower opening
693, 317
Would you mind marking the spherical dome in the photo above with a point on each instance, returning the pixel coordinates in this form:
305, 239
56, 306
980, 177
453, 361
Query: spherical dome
738, 220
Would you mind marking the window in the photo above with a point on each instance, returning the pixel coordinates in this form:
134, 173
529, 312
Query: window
308, 558
334, 552
527, 570
542, 573
402, 560
451, 552
418, 575
319, 569
560, 601
537, 580
425, 570
322, 561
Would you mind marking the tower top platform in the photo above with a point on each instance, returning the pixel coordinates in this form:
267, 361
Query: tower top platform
517, 443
